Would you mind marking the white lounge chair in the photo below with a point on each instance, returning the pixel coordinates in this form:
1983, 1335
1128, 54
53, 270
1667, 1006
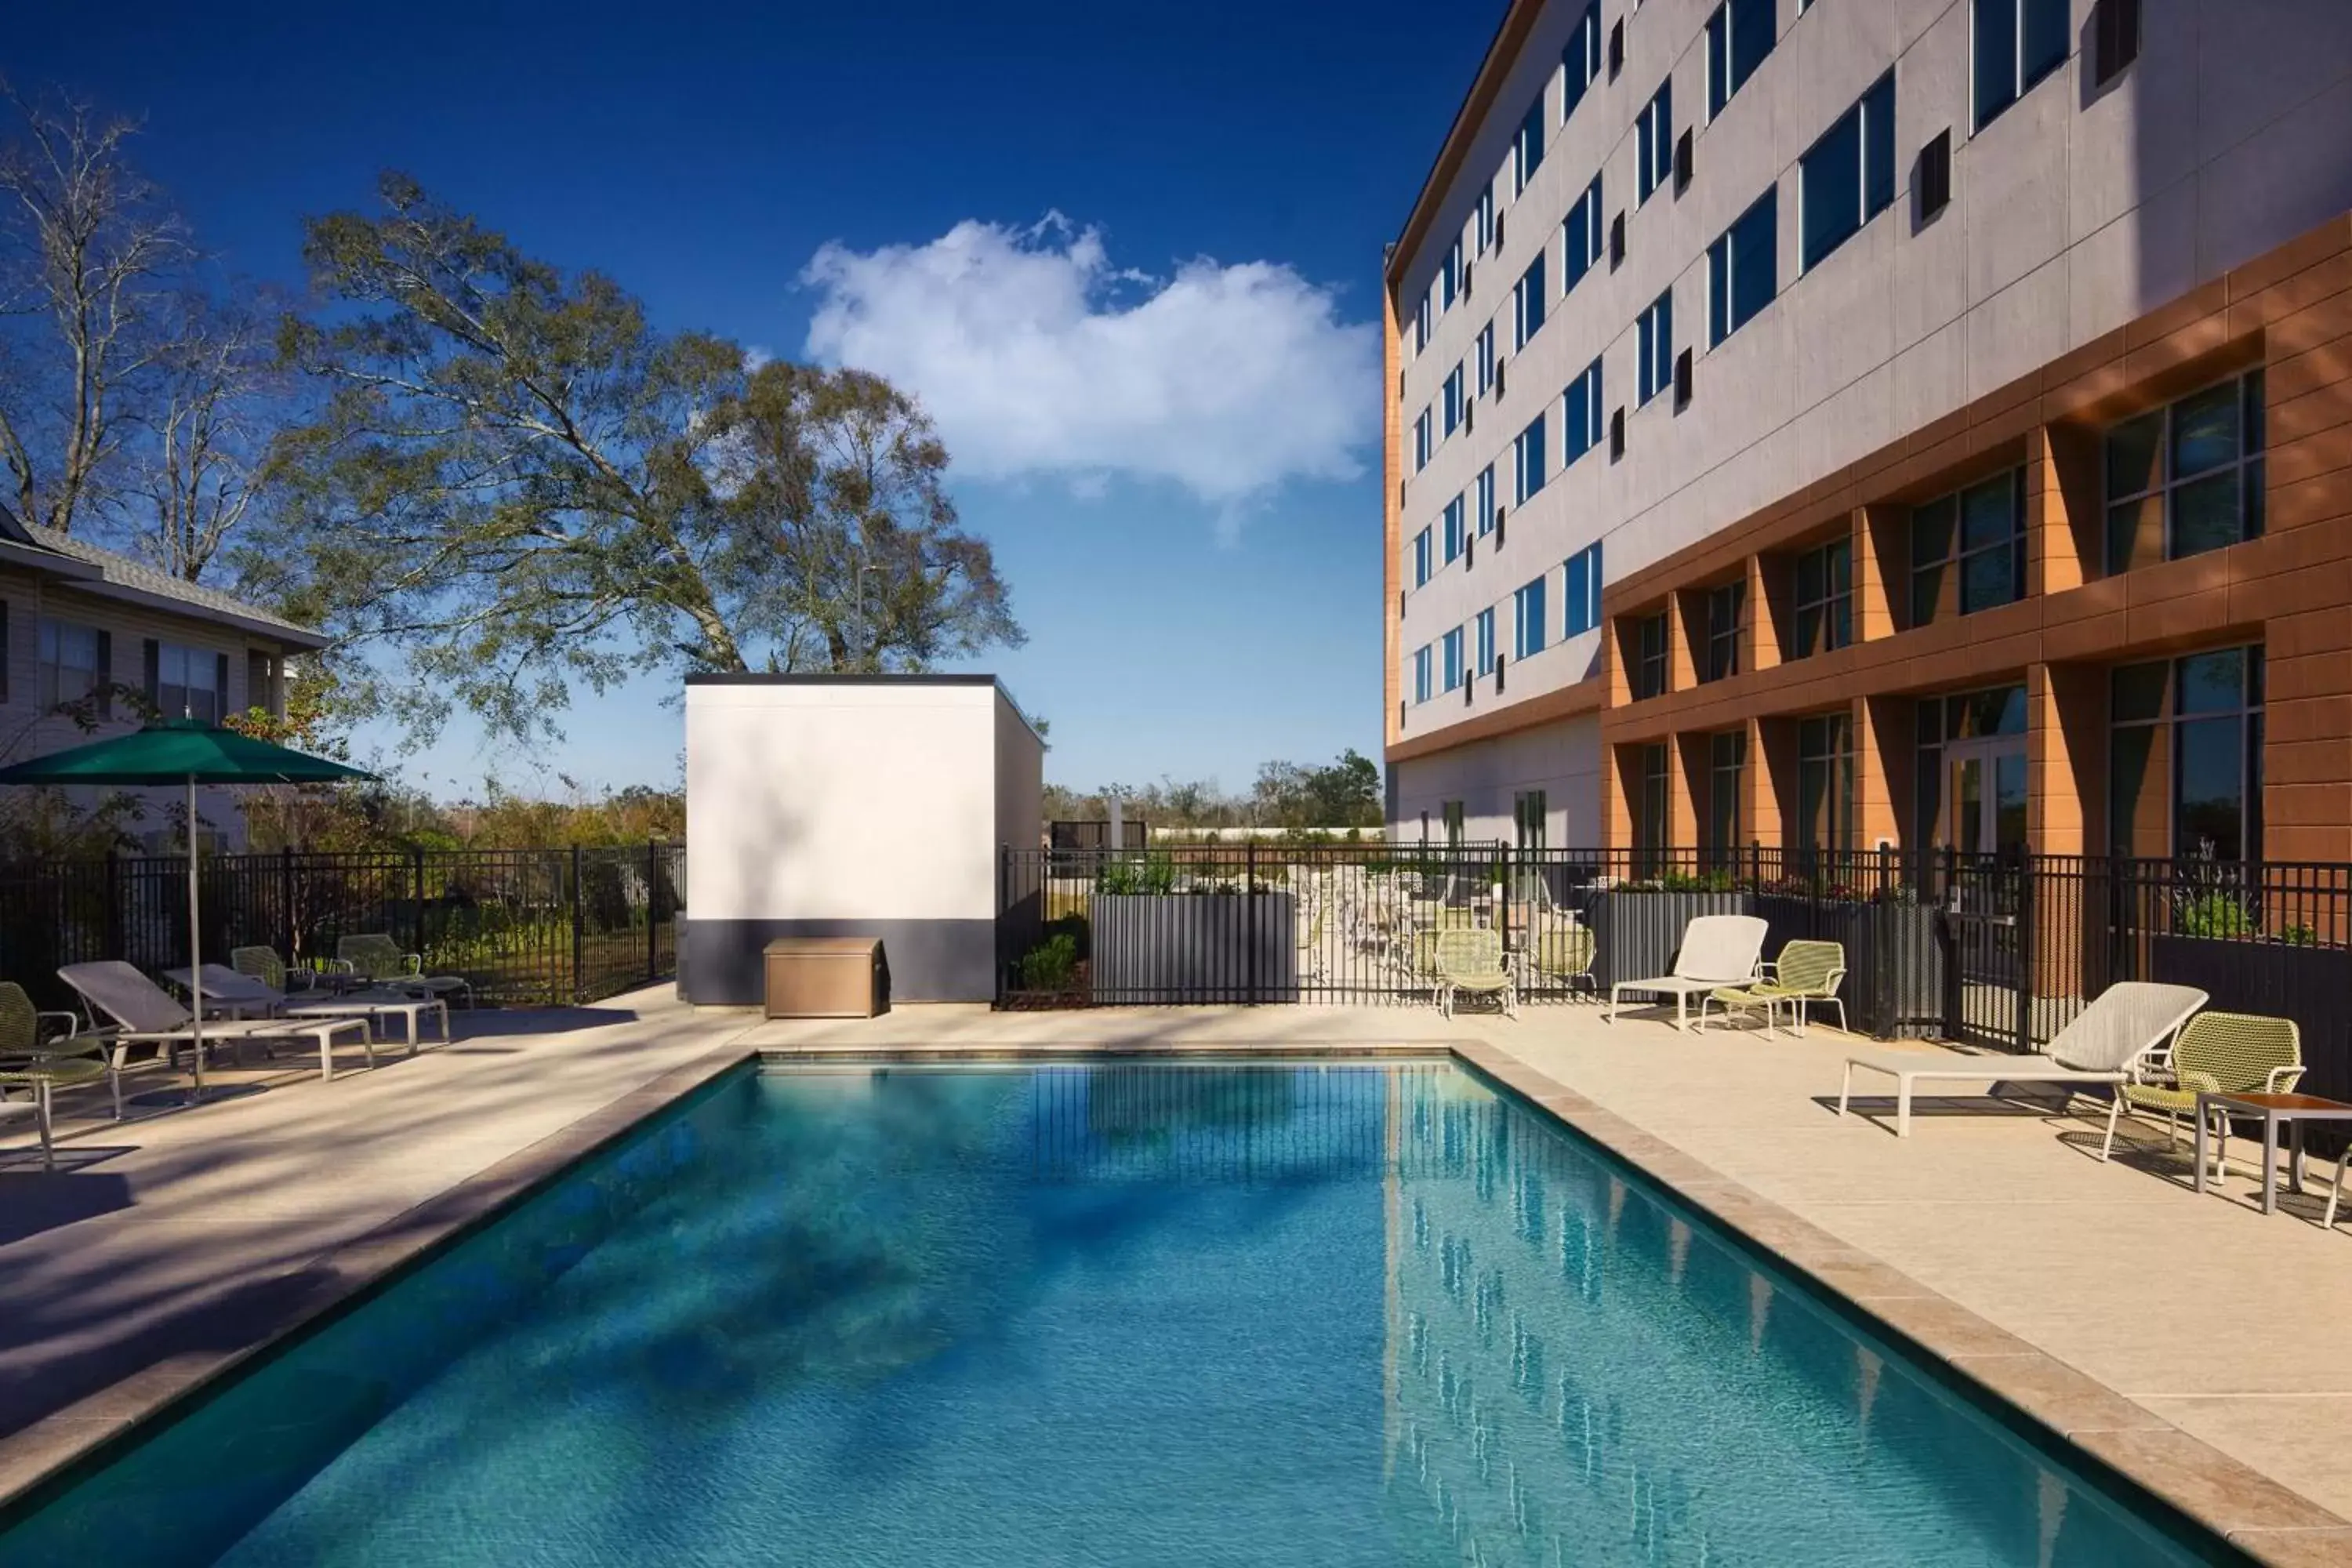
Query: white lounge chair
2109, 1042
1718, 950
149, 1014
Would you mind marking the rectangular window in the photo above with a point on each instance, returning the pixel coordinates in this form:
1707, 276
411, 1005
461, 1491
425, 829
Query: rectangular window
188, 683
1584, 590
1450, 660
1650, 657
2016, 43
1726, 767
1528, 631
1450, 401
72, 665
1653, 143
1656, 342
1485, 640
1652, 830
1528, 304
1580, 61
1742, 269
260, 682
1738, 36
1825, 598
1582, 414
1422, 318
1825, 782
1481, 362
1425, 440
1449, 279
1582, 235
1482, 221
1484, 492
1528, 153
1425, 547
1967, 549
1528, 818
2187, 478
1847, 177
2185, 764
1423, 668
1450, 527
1726, 604
1527, 457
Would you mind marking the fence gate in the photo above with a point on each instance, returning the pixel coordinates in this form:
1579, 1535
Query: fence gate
1987, 915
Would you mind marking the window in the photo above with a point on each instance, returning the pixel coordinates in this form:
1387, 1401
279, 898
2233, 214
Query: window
1451, 529
1847, 177
1825, 782
73, 665
2018, 42
1528, 816
1653, 143
1423, 440
1726, 766
1420, 323
1450, 401
1742, 270
1582, 414
1825, 598
1529, 150
1582, 236
1650, 657
1484, 490
1481, 362
2188, 478
1584, 590
1424, 563
1656, 340
1652, 830
1725, 605
2185, 764
1967, 549
1528, 304
261, 689
1482, 221
1738, 36
1528, 631
1964, 716
1423, 664
1450, 660
1580, 61
1527, 457
1484, 640
1449, 279
186, 682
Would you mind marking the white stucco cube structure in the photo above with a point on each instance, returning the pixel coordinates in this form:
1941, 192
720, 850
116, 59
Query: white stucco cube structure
853, 805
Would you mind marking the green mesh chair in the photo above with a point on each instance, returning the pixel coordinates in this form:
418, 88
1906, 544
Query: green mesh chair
1471, 961
1806, 974
263, 963
37, 1063
1562, 955
2223, 1053
378, 960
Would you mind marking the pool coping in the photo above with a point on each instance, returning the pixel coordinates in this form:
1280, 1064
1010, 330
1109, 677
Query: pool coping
2255, 1514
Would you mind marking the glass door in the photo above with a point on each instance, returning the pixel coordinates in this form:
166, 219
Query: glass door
1984, 820
1984, 796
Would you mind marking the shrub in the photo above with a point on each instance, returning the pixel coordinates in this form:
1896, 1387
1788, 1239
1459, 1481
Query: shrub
1052, 964
1155, 873
2216, 914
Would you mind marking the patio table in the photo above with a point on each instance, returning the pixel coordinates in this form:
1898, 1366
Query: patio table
375, 1005
2293, 1110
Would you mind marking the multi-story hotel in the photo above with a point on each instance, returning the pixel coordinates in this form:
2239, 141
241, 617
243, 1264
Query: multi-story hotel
1853, 422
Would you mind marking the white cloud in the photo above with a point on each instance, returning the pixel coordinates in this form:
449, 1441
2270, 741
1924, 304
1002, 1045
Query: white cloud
1036, 356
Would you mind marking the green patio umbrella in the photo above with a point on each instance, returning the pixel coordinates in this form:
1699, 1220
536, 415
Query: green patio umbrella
182, 751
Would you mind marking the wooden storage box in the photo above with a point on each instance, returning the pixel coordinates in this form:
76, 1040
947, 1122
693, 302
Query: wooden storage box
825, 977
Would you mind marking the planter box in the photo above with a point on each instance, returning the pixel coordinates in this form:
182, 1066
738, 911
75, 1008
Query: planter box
1162, 948
1636, 935
2312, 986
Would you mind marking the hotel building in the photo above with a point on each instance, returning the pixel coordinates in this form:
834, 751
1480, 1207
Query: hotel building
1836, 423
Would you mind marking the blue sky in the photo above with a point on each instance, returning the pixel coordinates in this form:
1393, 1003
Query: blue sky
1161, 226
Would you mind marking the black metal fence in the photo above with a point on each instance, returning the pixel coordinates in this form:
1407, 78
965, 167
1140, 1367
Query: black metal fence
523, 925
1999, 951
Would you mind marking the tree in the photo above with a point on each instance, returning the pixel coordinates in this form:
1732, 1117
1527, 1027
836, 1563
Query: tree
519, 483
207, 422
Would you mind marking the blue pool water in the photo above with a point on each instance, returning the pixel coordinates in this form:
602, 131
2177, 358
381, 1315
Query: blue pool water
1130, 1314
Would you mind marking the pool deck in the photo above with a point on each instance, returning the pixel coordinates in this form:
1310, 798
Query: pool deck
2187, 1340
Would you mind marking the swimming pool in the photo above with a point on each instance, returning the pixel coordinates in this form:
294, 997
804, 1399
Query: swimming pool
1279, 1314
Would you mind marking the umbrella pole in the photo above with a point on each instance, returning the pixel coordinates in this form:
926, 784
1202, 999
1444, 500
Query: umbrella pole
195, 942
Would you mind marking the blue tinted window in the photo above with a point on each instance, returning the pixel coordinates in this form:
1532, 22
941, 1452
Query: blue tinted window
1529, 634
1580, 413
1531, 149
1655, 344
2016, 43
1581, 236
1742, 269
1528, 304
1739, 36
1528, 457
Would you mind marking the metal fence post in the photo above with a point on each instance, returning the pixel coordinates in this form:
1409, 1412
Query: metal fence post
653, 911
2025, 875
417, 884
286, 900
1249, 896
578, 935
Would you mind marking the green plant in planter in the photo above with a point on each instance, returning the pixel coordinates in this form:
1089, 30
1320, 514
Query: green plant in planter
1050, 965
2217, 915
1155, 873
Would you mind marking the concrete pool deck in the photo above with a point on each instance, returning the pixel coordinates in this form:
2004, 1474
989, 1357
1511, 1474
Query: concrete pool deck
2183, 1339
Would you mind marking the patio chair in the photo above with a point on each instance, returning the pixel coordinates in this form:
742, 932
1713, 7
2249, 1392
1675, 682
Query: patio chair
2223, 1053
149, 1014
375, 958
39, 1065
2110, 1042
1718, 950
1564, 953
1806, 973
1472, 960
263, 963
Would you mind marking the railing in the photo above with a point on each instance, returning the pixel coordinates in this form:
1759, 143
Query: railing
1994, 950
536, 926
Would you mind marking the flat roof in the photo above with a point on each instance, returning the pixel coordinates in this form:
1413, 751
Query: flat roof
1510, 36
772, 678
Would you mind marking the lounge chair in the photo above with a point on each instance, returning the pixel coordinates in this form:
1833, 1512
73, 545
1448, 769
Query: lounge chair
1718, 950
230, 992
377, 959
149, 1014
2109, 1042
1807, 974
1471, 961
2223, 1053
